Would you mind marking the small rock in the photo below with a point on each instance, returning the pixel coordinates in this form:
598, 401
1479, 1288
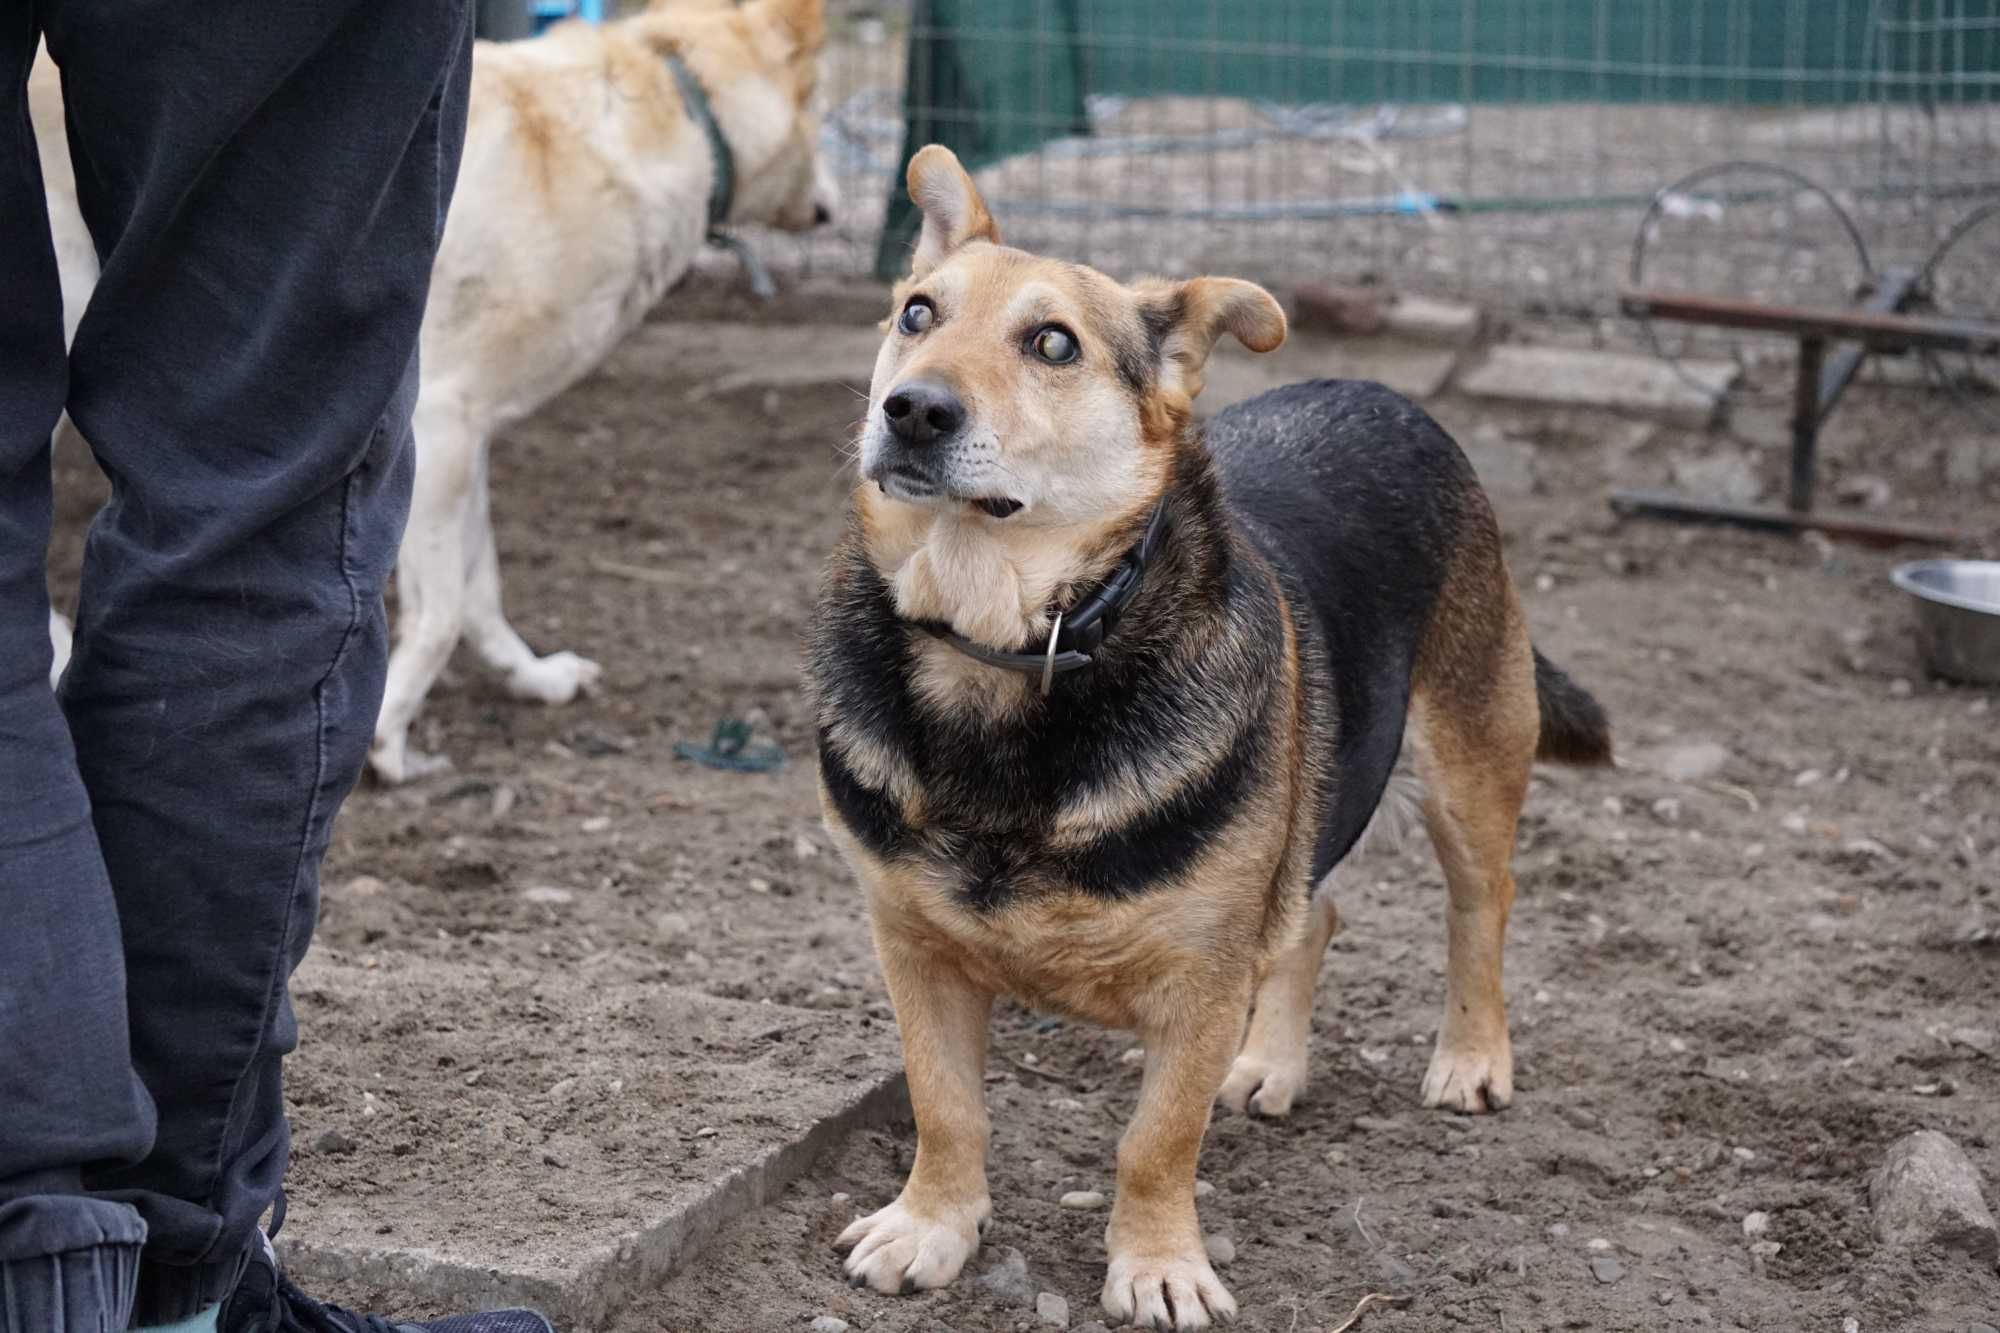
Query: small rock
1727, 476
597, 743
1665, 1297
1052, 1309
1667, 809
804, 848
758, 884
334, 1144
1983, 1040
1135, 1056
1336, 1156
1069, 1104
1094, 1326
1007, 1280
550, 1159
826, 1323
1598, 1244
1202, 1189
1558, 1230
1693, 761
1372, 1124
1082, 1200
1850, 1325
1927, 1195
548, 895
1221, 1249
1395, 1270
1767, 1249
1863, 490
1755, 1224
1974, 1328
1606, 1269
364, 886
1743, 1154
473, 1079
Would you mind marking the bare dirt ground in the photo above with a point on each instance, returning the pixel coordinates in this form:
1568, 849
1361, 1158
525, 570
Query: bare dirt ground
1734, 973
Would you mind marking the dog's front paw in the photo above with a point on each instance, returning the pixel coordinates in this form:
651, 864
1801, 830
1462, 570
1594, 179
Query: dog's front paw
1260, 1085
555, 679
898, 1252
1173, 1292
1470, 1079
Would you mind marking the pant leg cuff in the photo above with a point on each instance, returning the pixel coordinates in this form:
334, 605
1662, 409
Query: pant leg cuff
169, 1293
87, 1290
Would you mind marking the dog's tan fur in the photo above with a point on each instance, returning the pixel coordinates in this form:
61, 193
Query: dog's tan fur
1184, 961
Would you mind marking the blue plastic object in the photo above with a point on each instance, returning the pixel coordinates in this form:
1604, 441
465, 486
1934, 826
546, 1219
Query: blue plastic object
549, 11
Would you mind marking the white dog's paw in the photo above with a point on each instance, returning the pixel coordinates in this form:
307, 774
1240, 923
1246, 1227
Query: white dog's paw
396, 763
1263, 1085
1178, 1292
555, 679
1469, 1079
897, 1252
60, 637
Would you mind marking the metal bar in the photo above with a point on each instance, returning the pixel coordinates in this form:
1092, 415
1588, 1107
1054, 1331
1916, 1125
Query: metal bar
1891, 294
1868, 532
1805, 421
1880, 332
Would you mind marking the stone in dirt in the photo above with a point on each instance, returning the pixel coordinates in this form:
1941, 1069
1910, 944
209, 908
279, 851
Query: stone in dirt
1082, 1199
1606, 1269
1506, 466
1007, 1280
1052, 1309
826, 1323
1642, 385
1692, 761
1221, 1250
1927, 1195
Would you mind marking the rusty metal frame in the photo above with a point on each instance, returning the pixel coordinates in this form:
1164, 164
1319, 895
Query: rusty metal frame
1876, 326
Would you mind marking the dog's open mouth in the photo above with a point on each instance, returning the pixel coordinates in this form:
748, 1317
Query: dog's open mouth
998, 506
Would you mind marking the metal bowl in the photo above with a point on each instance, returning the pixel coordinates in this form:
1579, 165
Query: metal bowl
1958, 616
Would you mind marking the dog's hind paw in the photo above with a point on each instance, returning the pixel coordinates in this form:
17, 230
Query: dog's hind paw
1471, 1081
1258, 1085
1175, 1293
895, 1251
555, 679
394, 765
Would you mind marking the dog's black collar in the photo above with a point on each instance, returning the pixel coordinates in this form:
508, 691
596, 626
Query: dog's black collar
722, 190
1085, 626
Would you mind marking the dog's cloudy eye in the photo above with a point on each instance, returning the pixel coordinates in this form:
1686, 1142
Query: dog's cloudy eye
918, 315
1055, 345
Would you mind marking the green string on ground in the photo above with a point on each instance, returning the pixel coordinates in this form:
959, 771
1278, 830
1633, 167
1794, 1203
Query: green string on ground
730, 749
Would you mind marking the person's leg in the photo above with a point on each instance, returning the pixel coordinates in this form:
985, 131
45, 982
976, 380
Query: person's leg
266, 183
67, 1091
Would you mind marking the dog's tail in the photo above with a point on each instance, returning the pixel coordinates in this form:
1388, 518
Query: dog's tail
1574, 727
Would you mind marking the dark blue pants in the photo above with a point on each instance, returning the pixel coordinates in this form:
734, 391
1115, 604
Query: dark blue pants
266, 183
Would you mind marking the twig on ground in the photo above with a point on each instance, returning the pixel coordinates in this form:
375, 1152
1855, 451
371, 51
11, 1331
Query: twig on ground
637, 573
1372, 1299
1362, 1227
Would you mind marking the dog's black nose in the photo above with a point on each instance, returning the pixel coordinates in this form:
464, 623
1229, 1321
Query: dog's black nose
922, 412
821, 215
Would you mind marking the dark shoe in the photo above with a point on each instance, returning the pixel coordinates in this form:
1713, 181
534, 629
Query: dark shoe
265, 1301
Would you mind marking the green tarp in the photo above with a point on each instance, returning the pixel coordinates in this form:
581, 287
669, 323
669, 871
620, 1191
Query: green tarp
991, 78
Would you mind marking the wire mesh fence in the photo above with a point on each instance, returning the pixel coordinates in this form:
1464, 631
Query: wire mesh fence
1499, 150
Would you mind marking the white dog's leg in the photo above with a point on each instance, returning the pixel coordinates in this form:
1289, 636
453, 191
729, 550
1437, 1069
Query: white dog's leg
555, 679
59, 640
430, 587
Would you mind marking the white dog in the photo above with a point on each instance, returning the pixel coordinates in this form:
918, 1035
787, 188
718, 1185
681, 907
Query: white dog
597, 159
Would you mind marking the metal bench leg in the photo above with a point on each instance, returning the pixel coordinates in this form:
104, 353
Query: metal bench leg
1805, 422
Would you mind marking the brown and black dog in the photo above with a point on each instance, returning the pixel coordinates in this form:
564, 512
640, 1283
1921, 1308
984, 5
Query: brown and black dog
1103, 694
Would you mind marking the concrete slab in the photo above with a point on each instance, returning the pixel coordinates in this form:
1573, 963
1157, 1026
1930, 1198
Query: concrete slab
562, 1146
1417, 370
1621, 382
1423, 319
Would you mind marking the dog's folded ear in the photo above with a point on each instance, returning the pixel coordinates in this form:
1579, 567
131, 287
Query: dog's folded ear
954, 214
1185, 319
